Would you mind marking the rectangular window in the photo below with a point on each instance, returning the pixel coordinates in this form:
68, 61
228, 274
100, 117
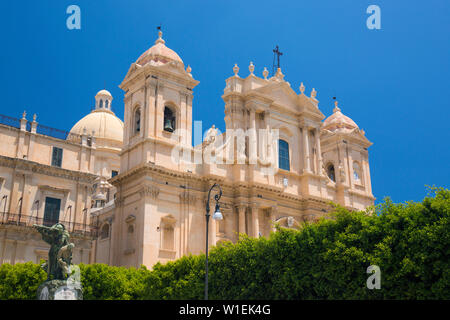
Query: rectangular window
283, 155
51, 211
114, 173
57, 157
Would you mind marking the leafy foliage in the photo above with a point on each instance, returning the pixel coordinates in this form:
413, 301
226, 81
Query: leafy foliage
410, 243
20, 282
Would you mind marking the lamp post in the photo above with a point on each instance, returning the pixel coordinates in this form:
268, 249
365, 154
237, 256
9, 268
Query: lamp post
217, 215
20, 210
5, 197
69, 208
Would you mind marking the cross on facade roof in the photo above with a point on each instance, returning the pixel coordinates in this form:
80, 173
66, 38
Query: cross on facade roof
276, 55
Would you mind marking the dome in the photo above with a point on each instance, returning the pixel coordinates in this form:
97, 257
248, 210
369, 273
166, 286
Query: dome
104, 123
159, 54
104, 93
339, 122
107, 128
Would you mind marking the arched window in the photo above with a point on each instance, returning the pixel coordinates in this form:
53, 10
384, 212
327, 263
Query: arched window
106, 104
137, 120
101, 103
169, 120
104, 233
356, 172
330, 172
283, 155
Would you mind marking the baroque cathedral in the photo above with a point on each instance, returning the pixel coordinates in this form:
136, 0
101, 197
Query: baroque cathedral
134, 193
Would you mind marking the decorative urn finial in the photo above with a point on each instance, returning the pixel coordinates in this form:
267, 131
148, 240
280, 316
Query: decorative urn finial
302, 88
188, 70
34, 117
279, 75
24, 114
251, 67
265, 73
313, 93
236, 69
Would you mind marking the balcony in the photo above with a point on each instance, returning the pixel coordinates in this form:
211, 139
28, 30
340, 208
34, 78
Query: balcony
74, 228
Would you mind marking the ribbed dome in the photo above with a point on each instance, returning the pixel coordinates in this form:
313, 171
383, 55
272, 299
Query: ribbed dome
339, 122
105, 124
159, 54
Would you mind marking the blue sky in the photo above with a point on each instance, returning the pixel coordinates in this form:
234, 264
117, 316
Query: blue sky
392, 82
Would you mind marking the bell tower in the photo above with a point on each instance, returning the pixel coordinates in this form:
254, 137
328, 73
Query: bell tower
157, 118
346, 160
158, 107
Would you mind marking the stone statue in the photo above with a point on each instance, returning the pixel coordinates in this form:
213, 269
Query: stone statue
59, 266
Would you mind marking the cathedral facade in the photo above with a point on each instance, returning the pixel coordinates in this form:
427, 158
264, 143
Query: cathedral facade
135, 192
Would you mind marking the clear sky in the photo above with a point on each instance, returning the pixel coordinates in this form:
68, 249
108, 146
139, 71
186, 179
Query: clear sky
392, 82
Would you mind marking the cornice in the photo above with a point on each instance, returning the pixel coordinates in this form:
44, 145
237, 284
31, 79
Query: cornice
27, 166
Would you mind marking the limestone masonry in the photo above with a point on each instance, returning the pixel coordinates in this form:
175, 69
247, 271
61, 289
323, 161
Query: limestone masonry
134, 192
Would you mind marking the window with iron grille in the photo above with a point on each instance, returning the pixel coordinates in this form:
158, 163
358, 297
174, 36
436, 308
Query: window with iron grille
57, 157
283, 155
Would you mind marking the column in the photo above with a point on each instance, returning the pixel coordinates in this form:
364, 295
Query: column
241, 211
255, 220
319, 152
252, 138
151, 100
306, 154
159, 114
273, 216
367, 174
350, 167
183, 118
189, 100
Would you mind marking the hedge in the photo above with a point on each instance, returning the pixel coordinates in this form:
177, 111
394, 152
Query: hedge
410, 242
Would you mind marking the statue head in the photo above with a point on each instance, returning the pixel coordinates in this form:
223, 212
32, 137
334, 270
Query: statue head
59, 226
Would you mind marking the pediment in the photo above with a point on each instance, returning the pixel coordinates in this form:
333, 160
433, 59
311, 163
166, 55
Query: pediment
284, 96
281, 94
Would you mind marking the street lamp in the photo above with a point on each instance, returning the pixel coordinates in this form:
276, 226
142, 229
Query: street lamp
5, 197
217, 215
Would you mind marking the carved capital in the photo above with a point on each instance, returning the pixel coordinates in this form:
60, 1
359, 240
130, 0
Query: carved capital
188, 198
149, 191
119, 201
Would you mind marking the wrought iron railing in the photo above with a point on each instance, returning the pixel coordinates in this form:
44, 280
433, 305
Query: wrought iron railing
44, 130
74, 228
10, 121
57, 133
